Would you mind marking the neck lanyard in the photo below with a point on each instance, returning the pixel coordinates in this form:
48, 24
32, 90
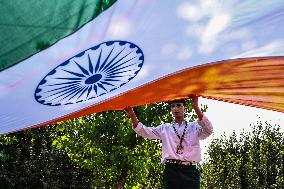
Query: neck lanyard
180, 146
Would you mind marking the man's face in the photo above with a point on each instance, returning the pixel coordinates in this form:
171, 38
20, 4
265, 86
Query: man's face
177, 109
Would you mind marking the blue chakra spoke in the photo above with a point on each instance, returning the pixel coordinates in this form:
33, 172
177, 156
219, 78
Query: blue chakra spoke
106, 60
116, 76
67, 78
71, 90
56, 89
76, 74
106, 83
101, 86
118, 61
115, 73
89, 91
68, 93
89, 74
71, 93
98, 62
110, 62
109, 79
64, 90
82, 69
123, 63
82, 92
71, 82
95, 88
91, 69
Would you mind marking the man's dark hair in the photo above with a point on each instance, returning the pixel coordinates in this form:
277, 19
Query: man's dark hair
176, 101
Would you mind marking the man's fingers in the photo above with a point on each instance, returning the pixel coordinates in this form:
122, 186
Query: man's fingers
128, 110
193, 96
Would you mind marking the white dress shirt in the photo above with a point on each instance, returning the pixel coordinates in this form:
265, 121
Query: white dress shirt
195, 131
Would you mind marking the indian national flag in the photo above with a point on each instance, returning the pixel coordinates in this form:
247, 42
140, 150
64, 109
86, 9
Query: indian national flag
69, 58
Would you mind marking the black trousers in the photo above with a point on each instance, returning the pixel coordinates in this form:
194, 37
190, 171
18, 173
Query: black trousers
181, 177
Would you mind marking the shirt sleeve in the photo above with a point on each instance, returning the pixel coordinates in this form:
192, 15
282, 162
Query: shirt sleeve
205, 128
148, 132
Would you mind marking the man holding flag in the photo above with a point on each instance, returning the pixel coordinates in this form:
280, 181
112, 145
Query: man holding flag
181, 150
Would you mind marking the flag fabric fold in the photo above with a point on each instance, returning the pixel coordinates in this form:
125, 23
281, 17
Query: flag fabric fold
141, 52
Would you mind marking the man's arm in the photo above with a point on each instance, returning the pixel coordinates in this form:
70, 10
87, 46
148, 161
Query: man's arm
132, 116
140, 129
206, 126
196, 108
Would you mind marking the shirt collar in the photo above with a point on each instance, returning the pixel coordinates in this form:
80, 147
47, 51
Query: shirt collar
182, 124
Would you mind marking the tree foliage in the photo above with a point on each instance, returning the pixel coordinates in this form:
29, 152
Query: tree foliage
28, 160
252, 160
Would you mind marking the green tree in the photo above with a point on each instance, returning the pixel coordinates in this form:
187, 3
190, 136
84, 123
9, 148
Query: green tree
106, 144
253, 160
28, 160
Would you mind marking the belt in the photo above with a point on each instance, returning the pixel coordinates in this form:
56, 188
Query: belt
179, 162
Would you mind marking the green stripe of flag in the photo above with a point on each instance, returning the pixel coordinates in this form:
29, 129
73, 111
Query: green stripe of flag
26, 27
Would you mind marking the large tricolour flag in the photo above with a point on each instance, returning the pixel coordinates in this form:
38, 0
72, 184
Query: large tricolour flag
136, 52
